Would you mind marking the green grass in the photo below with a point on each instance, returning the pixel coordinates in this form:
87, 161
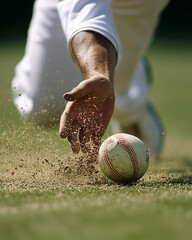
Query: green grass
96, 213
40, 201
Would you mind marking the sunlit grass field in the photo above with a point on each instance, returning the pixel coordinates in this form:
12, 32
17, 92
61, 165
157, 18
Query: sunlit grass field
40, 200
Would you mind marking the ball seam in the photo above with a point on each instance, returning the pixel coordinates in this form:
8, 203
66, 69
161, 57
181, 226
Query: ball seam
110, 165
133, 157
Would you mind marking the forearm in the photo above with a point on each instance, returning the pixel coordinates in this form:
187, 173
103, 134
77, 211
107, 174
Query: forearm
95, 55
91, 103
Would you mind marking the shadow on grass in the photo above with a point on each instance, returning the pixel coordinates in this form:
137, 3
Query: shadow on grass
187, 180
179, 175
180, 181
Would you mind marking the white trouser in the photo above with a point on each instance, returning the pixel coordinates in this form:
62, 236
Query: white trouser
47, 70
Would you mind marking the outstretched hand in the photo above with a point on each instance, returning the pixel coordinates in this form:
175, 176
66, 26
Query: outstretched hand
87, 115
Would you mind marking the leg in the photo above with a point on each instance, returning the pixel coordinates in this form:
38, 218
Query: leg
135, 114
136, 22
46, 71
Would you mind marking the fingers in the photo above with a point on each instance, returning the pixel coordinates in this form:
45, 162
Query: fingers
73, 107
69, 127
67, 119
78, 92
89, 143
84, 138
63, 131
96, 142
72, 137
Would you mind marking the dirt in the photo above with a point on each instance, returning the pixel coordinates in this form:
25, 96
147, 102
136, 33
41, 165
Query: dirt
78, 170
34, 158
71, 170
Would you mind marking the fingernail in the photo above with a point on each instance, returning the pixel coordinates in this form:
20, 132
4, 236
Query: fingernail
76, 149
62, 135
66, 96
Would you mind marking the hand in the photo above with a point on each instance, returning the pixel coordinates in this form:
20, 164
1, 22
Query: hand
87, 115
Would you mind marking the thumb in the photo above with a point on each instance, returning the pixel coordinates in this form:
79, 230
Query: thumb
81, 90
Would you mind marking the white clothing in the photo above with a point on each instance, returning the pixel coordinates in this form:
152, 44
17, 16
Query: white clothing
77, 16
47, 71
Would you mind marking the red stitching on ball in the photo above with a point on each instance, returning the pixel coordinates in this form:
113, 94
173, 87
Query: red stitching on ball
108, 162
125, 143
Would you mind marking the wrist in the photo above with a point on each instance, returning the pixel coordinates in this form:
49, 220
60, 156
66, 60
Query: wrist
95, 55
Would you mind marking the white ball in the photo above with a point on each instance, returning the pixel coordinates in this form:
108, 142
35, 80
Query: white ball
123, 158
